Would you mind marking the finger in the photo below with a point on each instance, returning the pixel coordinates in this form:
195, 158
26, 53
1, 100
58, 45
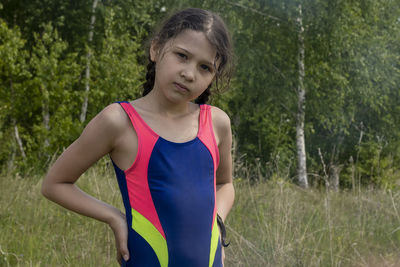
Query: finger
120, 250
123, 248
124, 253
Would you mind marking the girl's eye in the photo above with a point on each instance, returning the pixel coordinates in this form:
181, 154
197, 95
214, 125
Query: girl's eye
181, 55
206, 68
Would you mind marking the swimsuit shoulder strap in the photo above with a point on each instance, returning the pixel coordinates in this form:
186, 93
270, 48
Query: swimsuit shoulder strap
138, 123
206, 132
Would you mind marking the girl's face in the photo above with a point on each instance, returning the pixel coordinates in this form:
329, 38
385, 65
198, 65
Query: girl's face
185, 66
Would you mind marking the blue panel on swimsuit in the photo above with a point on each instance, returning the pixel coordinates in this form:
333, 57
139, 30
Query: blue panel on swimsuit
181, 182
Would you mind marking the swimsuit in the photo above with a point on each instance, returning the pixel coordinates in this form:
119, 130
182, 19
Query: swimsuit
169, 194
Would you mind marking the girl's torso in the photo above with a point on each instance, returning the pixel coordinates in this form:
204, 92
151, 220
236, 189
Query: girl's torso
169, 190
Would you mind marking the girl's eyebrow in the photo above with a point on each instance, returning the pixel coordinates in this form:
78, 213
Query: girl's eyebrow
205, 61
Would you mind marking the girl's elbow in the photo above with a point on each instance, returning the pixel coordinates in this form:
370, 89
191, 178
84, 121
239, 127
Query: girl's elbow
46, 188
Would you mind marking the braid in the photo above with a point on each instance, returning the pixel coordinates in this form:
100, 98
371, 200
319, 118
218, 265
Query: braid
203, 98
150, 77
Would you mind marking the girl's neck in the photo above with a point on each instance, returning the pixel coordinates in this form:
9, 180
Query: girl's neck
162, 106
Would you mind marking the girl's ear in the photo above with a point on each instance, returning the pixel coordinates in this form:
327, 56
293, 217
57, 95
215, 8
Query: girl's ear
154, 50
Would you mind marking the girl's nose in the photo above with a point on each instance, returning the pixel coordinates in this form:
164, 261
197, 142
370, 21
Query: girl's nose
188, 74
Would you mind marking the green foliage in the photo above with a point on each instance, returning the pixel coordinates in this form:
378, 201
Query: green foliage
117, 75
14, 73
43, 79
351, 63
55, 75
350, 84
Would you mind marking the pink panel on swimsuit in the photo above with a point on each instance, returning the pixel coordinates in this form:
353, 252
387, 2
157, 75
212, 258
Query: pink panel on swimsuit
136, 176
206, 135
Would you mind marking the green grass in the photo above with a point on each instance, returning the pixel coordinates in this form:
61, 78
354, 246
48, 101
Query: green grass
278, 224
272, 224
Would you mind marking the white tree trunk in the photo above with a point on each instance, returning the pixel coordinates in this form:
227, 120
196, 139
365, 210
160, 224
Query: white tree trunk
19, 141
16, 131
301, 98
10, 162
46, 114
88, 57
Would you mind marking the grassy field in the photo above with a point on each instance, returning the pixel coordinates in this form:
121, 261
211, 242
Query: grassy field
271, 224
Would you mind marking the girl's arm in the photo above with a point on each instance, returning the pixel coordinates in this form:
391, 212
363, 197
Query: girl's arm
225, 190
97, 139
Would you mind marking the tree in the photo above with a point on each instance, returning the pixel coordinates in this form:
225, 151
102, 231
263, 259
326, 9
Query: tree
88, 59
13, 73
117, 73
54, 77
301, 98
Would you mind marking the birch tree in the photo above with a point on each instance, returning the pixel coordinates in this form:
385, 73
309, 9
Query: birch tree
301, 100
88, 59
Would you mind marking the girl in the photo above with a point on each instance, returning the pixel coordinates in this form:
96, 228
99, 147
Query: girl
172, 157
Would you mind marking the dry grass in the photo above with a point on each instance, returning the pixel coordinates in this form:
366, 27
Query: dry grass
272, 224
278, 224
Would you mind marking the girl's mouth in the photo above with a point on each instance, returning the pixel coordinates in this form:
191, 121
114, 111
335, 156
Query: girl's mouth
180, 87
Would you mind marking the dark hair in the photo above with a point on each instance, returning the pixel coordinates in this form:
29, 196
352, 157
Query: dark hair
217, 34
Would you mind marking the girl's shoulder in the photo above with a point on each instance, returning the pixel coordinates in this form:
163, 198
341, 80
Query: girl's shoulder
113, 115
221, 120
112, 120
